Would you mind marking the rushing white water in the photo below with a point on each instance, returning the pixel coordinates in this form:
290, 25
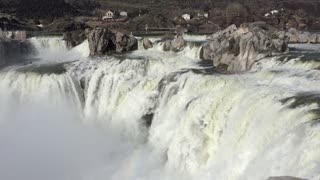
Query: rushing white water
204, 125
195, 38
192, 49
54, 49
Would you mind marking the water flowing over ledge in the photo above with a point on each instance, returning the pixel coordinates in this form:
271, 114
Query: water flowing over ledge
179, 116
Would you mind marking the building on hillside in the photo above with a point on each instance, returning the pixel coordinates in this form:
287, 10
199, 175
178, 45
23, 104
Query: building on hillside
108, 16
186, 17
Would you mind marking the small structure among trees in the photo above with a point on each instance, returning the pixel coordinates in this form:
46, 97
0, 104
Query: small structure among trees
108, 16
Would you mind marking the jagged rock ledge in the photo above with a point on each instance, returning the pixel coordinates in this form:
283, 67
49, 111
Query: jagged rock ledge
296, 36
235, 49
102, 41
232, 50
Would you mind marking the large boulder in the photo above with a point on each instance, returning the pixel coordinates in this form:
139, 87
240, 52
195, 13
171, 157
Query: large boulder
100, 41
103, 41
124, 42
178, 44
284, 178
236, 49
147, 44
74, 38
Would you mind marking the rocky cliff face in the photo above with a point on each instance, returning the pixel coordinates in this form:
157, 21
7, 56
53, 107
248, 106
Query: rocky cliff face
102, 41
236, 49
74, 33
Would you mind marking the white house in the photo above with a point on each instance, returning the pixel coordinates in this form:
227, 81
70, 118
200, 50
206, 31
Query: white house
186, 17
123, 14
109, 15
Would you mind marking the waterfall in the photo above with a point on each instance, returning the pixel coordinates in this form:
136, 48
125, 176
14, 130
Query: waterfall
30, 84
229, 126
48, 43
192, 49
195, 38
54, 49
181, 118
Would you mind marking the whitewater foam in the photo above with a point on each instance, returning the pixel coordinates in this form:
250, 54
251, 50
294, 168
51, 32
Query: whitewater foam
54, 49
204, 125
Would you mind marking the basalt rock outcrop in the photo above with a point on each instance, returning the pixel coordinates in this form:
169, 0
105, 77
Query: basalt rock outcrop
74, 32
178, 44
102, 41
74, 38
124, 42
296, 36
236, 49
175, 44
147, 44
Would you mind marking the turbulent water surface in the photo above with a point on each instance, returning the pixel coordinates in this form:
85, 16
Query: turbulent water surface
151, 115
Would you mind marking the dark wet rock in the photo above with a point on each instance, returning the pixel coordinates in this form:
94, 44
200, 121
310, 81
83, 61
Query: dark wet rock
148, 119
74, 32
74, 38
302, 99
236, 49
45, 69
147, 44
285, 178
102, 40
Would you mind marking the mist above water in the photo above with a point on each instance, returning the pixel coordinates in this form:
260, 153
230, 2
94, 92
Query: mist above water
39, 142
